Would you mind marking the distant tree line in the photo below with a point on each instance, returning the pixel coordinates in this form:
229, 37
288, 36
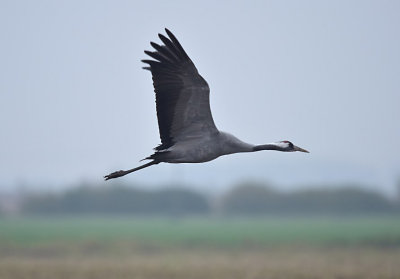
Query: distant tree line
118, 200
244, 200
259, 200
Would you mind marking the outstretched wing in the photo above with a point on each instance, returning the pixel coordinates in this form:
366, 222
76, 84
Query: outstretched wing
182, 95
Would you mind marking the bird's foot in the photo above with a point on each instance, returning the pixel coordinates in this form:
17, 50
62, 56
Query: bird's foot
115, 174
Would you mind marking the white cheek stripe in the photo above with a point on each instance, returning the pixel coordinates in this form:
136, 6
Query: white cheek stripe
281, 144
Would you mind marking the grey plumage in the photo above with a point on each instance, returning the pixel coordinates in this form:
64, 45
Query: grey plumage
187, 130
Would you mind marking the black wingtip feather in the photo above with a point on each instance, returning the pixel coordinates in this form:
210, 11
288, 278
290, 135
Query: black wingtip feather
163, 38
163, 50
169, 33
171, 46
158, 56
153, 44
176, 43
149, 53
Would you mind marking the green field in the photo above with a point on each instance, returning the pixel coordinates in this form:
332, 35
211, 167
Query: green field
217, 233
122, 247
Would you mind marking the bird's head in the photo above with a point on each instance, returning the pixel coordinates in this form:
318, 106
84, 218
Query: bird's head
290, 147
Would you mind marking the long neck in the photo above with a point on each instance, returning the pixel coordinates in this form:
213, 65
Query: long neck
270, 146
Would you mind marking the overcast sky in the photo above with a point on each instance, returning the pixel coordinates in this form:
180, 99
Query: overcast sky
76, 105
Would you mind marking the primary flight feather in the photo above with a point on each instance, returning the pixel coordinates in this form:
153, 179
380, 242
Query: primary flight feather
187, 130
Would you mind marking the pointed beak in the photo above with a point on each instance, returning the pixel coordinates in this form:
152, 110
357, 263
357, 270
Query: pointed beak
296, 148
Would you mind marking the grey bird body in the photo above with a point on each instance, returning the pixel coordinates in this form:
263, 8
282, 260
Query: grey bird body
203, 148
187, 130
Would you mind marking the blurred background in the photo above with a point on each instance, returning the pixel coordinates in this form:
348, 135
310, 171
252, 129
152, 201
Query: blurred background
76, 105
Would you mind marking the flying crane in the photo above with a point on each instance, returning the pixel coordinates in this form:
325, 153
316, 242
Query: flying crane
187, 130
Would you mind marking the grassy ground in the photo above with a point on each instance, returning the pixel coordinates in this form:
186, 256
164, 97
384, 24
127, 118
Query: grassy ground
200, 248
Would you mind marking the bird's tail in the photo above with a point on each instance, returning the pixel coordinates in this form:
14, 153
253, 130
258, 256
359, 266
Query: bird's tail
122, 172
